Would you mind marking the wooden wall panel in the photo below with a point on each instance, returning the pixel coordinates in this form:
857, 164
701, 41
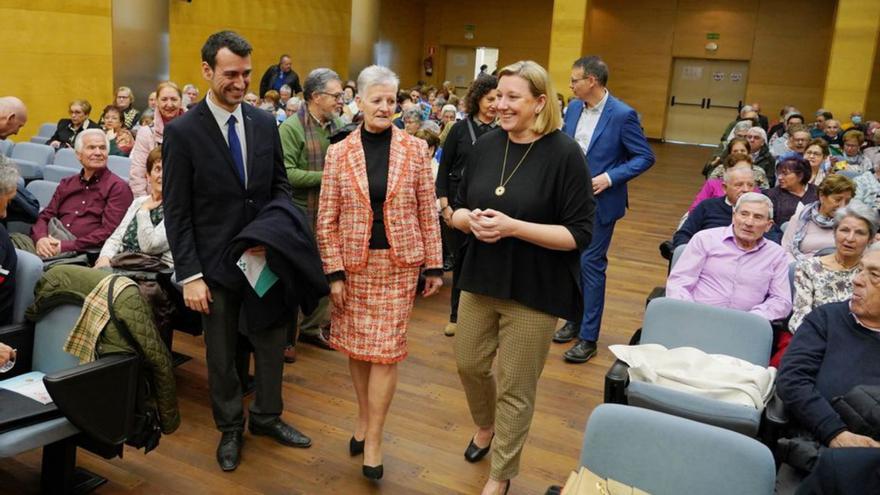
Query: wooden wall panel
788, 66
733, 20
54, 52
872, 107
315, 34
402, 31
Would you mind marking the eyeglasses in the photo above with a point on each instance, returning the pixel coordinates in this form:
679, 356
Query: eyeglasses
335, 96
575, 80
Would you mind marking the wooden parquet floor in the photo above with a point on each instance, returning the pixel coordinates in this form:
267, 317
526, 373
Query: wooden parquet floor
428, 426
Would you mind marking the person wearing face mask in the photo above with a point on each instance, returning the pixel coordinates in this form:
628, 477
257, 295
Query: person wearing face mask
305, 138
811, 226
68, 129
168, 107
377, 227
855, 122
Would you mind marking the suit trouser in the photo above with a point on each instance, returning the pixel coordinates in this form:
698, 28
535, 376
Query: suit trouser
520, 336
311, 323
594, 263
221, 342
455, 242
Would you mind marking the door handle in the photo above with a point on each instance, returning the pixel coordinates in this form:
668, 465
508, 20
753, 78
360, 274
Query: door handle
703, 103
672, 102
708, 102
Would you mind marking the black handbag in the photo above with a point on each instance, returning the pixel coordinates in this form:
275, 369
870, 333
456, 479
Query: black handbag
146, 430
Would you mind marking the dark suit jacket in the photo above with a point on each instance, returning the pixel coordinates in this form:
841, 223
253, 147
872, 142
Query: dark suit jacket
206, 205
618, 147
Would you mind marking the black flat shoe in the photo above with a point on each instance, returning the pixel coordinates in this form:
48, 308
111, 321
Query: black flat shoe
566, 333
581, 352
473, 453
356, 447
373, 472
281, 432
229, 450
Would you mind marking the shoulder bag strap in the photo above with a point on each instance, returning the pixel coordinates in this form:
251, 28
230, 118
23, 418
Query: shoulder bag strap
470, 125
120, 325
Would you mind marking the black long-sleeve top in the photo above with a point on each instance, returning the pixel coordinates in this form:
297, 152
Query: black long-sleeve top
456, 150
552, 186
377, 151
829, 355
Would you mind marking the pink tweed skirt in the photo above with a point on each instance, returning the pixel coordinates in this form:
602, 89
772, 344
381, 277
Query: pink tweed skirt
378, 301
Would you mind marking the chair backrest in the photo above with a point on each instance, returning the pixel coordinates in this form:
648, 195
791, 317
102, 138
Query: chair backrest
673, 323
54, 173
66, 157
42, 190
47, 129
783, 227
792, 269
666, 455
27, 273
119, 165
824, 252
676, 255
6, 147
50, 334
41, 154
39, 139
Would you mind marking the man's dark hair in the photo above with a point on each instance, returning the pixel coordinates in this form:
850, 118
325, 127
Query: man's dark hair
593, 65
828, 115
479, 88
484, 67
224, 39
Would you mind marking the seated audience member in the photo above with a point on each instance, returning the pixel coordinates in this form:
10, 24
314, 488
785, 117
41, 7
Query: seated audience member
779, 145
718, 212
8, 260
831, 134
190, 96
714, 188
855, 122
760, 153
142, 229
86, 207
828, 279
293, 106
872, 152
816, 154
448, 117
68, 129
433, 142
270, 101
735, 267
817, 128
793, 187
778, 128
853, 159
811, 227
868, 188
412, 120
125, 103
121, 140
738, 147
251, 99
6, 354
833, 350
152, 102
349, 104
147, 118
406, 104
24, 206
740, 130
284, 94
168, 109
745, 113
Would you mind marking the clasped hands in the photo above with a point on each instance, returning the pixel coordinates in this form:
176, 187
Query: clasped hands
490, 225
48, 247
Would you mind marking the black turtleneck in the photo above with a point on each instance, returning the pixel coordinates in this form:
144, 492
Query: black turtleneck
377, 150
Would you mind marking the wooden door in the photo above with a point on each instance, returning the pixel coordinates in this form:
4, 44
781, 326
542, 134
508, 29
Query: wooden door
460, 66
705, 95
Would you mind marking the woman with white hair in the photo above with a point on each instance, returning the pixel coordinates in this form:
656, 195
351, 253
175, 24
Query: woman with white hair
448, 116
377, 227
760, 152
8, 259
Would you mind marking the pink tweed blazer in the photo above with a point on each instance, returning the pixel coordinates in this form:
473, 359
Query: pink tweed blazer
345, 216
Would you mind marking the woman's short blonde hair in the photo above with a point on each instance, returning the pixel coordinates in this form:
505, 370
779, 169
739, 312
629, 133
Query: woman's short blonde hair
549, 118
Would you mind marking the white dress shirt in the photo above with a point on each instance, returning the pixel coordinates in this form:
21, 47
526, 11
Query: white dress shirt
586, 125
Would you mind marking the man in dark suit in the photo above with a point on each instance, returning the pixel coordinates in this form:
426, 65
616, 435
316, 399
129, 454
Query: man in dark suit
223, 163
277, 76
610, 135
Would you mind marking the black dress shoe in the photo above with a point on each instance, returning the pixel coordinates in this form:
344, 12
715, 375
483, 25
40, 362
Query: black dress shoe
473, 453
581, 352
282, 432
319, 339
356, 447
229, 450
373, 472
567, 333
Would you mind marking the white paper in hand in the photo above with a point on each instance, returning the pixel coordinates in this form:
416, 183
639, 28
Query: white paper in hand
257, 272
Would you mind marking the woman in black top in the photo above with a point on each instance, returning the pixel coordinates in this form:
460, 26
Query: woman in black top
459, 143
69, 129
526, 201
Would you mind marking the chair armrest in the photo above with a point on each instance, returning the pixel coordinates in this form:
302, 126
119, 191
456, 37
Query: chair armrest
774, 421
655, 293
98, 397
666, 249
616, 381
19, 336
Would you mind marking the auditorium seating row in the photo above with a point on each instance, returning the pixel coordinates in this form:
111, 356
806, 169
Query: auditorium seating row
41, 161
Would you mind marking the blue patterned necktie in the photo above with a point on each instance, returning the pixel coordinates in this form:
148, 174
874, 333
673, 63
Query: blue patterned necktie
235, 148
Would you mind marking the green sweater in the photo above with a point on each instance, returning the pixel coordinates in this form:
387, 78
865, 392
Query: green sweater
296, 157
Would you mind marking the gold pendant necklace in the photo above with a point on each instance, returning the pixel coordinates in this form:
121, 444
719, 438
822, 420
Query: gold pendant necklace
499, 191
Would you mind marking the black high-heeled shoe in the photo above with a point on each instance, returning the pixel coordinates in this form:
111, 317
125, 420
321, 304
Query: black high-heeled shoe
373, 472
473, 453
356, 447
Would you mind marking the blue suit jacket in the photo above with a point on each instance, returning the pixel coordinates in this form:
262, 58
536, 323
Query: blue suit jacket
618, 147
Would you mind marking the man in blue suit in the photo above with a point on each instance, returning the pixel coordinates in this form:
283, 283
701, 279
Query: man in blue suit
609, 132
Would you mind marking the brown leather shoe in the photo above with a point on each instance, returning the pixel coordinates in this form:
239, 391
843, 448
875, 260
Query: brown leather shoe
321, 339
289, 354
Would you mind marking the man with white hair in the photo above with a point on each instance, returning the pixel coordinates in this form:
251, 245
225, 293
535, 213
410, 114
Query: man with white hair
86, 207
305, 137
735, 267
8, 259
23, 206
745, 113
13, 116
760, 152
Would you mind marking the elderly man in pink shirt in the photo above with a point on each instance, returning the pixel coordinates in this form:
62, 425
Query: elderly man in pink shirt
735, 267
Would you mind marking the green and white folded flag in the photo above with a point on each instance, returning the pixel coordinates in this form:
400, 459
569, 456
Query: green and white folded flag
257, 272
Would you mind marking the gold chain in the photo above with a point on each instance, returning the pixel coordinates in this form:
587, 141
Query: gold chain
502, 182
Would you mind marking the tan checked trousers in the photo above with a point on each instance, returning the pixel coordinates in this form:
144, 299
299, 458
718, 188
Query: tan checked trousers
520, 336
